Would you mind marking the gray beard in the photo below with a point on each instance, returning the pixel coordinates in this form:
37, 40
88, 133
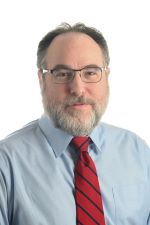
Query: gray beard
71, 122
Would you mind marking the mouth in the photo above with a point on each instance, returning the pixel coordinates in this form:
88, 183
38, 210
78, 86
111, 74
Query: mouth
79, 106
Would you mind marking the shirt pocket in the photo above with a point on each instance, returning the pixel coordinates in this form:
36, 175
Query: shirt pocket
132, 204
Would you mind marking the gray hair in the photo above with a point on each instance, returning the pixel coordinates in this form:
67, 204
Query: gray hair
95, 34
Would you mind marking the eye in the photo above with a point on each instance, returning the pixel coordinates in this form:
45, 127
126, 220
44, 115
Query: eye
91, 71
62, 73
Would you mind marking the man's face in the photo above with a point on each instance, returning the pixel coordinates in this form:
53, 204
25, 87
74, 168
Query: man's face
75, 107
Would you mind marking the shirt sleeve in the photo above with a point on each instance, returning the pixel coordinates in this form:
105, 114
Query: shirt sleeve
4, 201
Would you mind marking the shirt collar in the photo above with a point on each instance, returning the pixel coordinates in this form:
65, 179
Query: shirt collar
97, 136
59, 139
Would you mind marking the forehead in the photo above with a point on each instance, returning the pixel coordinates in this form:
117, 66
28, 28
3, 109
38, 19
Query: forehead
74, 47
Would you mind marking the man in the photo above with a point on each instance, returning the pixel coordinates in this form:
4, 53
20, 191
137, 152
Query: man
40, 177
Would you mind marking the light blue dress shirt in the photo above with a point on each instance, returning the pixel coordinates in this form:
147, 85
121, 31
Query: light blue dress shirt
37, 176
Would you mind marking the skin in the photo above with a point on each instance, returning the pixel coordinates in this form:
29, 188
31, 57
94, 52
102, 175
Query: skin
75, 50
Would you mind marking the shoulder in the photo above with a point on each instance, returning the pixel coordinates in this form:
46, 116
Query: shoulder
18, 139
122, 137
115, 131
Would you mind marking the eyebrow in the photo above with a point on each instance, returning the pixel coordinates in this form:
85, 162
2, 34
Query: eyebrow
63, 66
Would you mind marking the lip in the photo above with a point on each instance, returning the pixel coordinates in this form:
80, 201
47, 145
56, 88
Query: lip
79, 106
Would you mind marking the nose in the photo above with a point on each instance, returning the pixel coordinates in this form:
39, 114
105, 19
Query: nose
77, 86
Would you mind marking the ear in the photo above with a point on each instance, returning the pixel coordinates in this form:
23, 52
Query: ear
107, 71
40, 76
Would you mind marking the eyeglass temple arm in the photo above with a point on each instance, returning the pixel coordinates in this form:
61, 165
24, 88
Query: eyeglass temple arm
43, 71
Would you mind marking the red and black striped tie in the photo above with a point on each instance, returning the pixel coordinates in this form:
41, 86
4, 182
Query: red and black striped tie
89, 208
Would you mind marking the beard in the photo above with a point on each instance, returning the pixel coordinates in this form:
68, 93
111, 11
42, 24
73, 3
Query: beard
72, 121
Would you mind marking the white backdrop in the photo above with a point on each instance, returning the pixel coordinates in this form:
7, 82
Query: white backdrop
125, 25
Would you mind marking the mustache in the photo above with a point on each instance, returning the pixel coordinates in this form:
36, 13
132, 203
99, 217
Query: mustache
78, 100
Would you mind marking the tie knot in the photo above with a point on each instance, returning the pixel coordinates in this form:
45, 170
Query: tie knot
81, 142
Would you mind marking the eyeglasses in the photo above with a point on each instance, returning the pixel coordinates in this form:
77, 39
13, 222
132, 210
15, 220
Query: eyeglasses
66, 75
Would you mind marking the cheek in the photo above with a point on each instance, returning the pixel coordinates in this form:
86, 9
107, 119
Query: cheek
55, 92
100, 92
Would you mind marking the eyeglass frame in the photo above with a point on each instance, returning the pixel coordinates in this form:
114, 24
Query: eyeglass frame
50, 71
